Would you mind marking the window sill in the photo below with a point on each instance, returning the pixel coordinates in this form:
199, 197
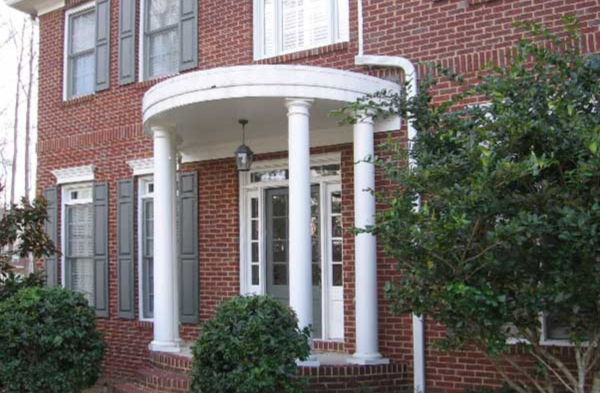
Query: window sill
77, 100
303, 54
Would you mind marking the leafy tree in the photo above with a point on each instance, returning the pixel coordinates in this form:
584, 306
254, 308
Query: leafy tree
508, 227
21, 234
251, 345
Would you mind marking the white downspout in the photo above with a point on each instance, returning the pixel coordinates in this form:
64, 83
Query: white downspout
410, 72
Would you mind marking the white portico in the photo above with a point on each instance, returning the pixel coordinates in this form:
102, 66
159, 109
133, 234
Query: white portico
196, 115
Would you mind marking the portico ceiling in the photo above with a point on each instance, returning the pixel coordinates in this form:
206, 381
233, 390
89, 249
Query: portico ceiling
204, 107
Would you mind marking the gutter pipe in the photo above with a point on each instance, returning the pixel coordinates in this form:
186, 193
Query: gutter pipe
410, 72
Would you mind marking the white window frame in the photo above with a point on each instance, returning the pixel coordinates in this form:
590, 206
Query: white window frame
142, 47
66, 201
259, 33
143, 193
250, 190
66, 74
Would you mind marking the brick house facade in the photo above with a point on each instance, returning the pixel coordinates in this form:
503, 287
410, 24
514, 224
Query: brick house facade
105, 133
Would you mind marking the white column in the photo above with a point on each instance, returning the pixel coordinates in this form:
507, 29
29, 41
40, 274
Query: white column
166, 312
365, 247
300, 259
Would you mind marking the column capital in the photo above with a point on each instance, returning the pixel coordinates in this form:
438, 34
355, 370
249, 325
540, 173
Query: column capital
162, 132
298, 106
365, 116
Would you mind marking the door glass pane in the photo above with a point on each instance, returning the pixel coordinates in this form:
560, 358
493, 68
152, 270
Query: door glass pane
254, 229
336, 254
279, 251
336, 202
279, 205
254, 252
163, 53
255, 275
279, 228
337, 279
336, 226
279, 274
254, 208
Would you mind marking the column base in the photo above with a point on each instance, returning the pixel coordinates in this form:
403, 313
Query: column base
367, 359
165, 346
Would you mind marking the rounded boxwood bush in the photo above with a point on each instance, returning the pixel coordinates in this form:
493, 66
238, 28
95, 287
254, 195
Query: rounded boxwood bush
48, 342
251, 345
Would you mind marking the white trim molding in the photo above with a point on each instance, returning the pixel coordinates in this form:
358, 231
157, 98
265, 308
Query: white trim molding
75, 174
142, 167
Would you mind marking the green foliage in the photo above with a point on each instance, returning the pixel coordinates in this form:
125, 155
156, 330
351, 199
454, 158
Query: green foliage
48, 342
250, 346
21, 234
23, 226
11, 283
509, 223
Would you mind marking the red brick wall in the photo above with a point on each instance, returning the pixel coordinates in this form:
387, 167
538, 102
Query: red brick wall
105, 130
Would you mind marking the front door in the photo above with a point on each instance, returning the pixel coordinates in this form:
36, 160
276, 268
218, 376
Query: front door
277, 249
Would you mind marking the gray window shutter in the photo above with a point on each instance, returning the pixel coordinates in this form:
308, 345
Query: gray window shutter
188, 247
101, 249
125, 248
51, 229
188, 34
127, 50
102, 58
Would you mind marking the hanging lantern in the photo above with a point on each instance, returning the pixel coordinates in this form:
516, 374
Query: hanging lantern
244, 155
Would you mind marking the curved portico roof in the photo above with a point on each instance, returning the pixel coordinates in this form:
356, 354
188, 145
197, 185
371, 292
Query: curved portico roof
203, 106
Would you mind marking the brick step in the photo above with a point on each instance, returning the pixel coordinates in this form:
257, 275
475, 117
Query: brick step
171, 362
163, 381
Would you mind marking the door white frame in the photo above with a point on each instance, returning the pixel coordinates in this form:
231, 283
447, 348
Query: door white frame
249, 190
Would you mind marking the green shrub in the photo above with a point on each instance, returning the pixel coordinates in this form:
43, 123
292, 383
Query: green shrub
11, 282
250, 346
48, 342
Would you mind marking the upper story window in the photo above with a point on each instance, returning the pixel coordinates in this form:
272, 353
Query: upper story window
87, 49
161, 38
81, 27
285, 26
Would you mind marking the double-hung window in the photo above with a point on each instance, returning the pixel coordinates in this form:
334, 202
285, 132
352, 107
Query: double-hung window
81, 27
285, 26
161, 38
147, 246
79, 241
